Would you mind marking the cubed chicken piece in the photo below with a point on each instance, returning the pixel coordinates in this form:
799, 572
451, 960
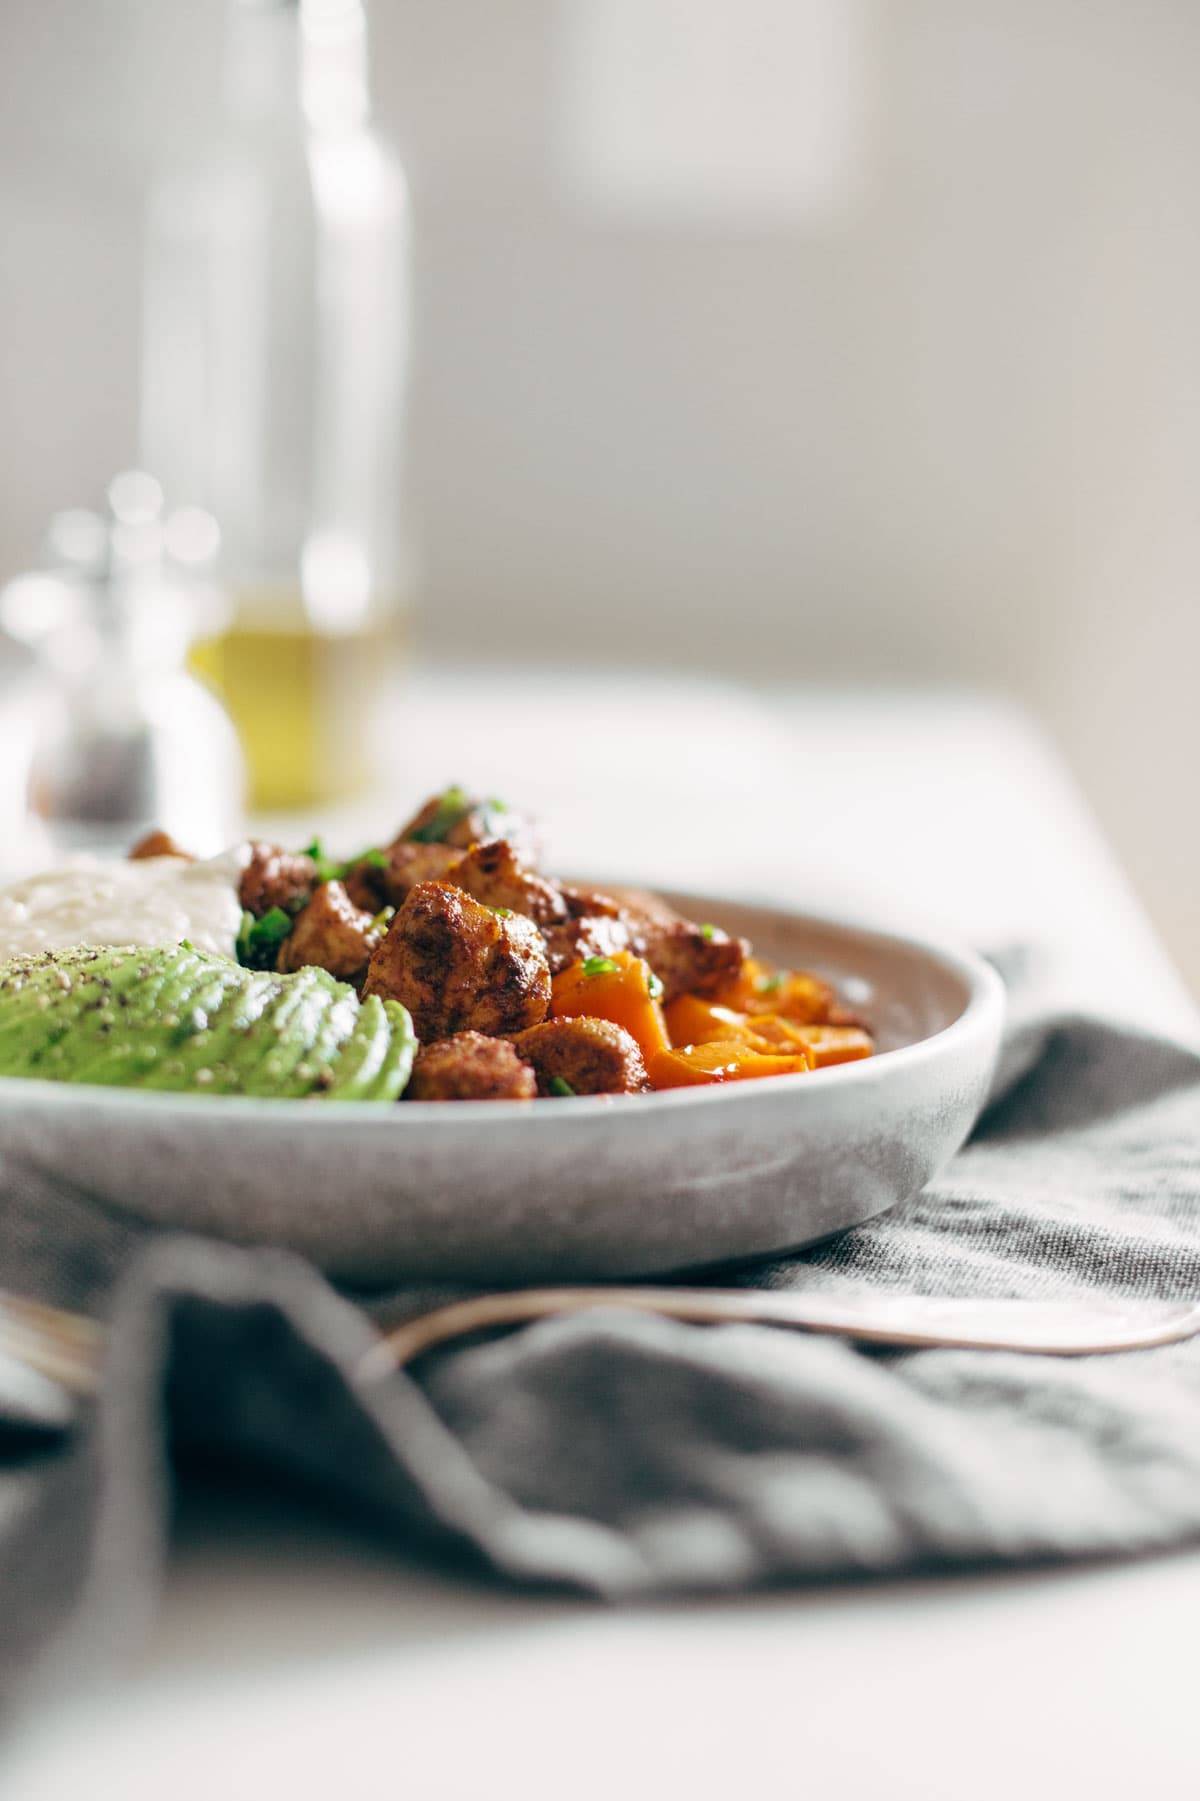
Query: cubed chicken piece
576, 939
491, 873
686, 958
589, 903
159, 844
458, 966
589, 1056
374, 884
332, 933
470, 1067
456, 818
276, 878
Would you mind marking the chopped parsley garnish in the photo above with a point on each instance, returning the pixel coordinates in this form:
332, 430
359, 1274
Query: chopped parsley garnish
326, 869
560, 1086
654, 985
771, 984
258, 940
491, 818
242, 942
501, 912
599, 966
452, 806
708, 931
383, 918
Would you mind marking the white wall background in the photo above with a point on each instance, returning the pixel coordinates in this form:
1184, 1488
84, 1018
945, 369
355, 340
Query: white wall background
910, 393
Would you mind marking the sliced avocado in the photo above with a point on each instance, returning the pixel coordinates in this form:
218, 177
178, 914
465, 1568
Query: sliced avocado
184, 1021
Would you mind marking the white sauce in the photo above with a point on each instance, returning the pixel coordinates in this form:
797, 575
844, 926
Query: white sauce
156, 900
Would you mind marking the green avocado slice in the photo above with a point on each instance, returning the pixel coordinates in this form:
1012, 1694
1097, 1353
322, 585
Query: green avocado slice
184, 1021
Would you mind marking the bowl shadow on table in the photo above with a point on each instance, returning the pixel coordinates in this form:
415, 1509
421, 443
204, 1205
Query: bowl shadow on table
331, 1581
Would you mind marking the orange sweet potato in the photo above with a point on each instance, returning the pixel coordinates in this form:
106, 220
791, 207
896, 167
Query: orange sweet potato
693, 1019
730, 1061
824, 1044
739, 992
787, 993
799, 996
617, 988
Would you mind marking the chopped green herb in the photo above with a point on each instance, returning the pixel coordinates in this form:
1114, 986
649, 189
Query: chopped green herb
501, 912
258, 940
708, 931
491, 818
452, 806
654, 984
599, 966
242, 942
185, 944
327, 869
560, 1086
772, 983
383, 918
273, 927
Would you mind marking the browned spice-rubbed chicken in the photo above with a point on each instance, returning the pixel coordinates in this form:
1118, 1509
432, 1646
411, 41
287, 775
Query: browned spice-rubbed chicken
489, 870
520, 985
459, 966
491, 873
334, 934
456, 819
159, 844
686, 958
471, 1067
276, 878
385, 880
591, 1056
593, 928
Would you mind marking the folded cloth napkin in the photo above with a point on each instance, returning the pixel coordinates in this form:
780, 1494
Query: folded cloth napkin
626, 1455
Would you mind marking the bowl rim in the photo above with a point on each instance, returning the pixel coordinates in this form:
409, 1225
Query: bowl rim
982, 1012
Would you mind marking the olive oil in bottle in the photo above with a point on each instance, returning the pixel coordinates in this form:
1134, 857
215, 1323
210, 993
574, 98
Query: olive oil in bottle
298, 696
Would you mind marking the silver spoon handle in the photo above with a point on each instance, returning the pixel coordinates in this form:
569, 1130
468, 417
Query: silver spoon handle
1048, 1328
69, 1348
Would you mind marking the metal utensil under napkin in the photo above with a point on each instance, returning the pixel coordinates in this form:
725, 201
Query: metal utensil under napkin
69, 1348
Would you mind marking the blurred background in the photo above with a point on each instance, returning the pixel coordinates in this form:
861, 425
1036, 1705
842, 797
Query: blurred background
831, 341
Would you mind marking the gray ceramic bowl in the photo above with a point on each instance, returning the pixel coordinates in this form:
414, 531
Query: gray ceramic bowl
506, 1192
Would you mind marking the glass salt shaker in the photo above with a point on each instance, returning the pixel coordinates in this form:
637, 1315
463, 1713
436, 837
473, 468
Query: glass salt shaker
125, 738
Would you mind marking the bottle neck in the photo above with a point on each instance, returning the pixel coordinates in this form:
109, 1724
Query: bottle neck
305, 59
262, 60
334, 91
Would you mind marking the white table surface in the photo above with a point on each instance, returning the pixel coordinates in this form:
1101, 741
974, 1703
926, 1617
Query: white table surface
295, 1656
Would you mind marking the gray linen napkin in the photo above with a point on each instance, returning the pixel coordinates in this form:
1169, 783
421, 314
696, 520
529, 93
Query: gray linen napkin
625, 1455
